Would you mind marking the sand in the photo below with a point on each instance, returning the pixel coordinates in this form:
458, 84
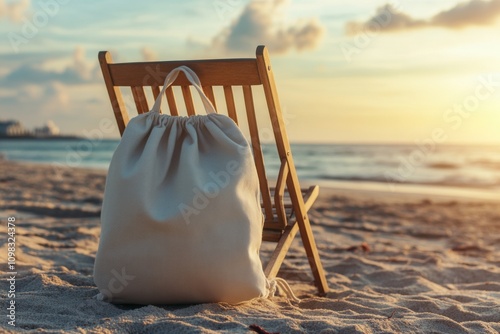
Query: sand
395, 264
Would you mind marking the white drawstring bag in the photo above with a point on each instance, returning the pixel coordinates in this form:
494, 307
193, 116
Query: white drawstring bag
181, 220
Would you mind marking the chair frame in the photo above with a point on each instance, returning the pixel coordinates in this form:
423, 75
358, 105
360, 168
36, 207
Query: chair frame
288, 214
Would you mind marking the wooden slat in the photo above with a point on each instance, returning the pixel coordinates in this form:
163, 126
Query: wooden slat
188, 100
310, 196
271, 235
257, 152
171, 102
209, 92
284, 242
156, 91
279, 194
140, 99
231, 108
212, 72
115, 96
281, 210
283, 146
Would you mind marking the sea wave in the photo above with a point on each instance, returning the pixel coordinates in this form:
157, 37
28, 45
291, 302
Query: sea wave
443, 165
461, 166
486, 163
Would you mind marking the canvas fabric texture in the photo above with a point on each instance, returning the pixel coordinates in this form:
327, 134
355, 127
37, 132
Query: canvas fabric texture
181, 220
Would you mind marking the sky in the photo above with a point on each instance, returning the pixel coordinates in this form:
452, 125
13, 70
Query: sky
364, 71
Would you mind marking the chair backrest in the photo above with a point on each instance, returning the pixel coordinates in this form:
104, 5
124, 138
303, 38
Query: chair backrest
227, 73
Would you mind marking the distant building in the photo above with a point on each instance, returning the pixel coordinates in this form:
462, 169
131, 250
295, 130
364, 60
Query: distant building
12, 129
48, 130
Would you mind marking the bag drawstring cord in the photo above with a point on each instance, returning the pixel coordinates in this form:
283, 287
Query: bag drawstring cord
275, 283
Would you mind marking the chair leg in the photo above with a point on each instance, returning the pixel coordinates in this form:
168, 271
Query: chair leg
312, 254
274, 264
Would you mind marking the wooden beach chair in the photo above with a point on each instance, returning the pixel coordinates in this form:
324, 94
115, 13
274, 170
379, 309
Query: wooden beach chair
285, 205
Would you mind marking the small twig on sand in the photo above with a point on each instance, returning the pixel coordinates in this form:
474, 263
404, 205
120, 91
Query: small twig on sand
260, 330
392, 314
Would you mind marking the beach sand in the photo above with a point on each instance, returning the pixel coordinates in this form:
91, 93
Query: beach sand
395, 262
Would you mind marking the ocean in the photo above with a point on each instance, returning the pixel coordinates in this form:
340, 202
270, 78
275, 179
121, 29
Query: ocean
476, 166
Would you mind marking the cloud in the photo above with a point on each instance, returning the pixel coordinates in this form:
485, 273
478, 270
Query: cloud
148, 54
34, 87
26, 74
76, 73
257, 24
58, 94
14, 11
51, 98
387, 18
80, 65
474, 12
31, 92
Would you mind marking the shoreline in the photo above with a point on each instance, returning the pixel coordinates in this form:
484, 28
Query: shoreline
407, 191
347, 187
34, 137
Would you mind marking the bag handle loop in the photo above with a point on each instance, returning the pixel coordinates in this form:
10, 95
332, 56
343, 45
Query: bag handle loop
193, 79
